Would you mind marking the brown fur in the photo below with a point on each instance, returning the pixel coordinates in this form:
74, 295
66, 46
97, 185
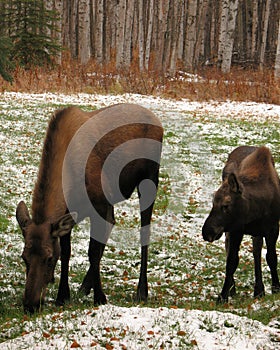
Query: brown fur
247, 202
50, 217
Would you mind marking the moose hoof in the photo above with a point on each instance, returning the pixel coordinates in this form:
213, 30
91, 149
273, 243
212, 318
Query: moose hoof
259, 294
222, 300
60, 302
141, 297
85, 289
100, 299
275, 289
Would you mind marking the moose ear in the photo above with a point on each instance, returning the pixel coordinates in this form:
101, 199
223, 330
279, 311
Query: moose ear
234, 184
64, 225
22, 215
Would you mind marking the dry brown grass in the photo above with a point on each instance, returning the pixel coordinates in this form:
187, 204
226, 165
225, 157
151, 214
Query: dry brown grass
71, 77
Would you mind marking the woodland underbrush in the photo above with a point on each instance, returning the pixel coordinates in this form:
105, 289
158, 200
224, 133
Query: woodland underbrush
208, 83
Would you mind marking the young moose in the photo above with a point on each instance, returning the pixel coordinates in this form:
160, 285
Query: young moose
248, 202
90, 161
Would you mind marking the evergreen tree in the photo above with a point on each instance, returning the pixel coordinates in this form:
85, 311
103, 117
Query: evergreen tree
5, 63
30, 27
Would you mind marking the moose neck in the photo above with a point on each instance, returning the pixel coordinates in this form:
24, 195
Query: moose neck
48, 202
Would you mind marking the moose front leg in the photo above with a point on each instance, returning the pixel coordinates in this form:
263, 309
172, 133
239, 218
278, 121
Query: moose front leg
63, 294
102, 223
233, 241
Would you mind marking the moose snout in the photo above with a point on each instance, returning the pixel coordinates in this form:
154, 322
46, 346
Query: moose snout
33, 301
210, 232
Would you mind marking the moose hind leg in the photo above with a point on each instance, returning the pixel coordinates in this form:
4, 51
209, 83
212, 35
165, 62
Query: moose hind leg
92, 278
257, 252
147, 193
271, 257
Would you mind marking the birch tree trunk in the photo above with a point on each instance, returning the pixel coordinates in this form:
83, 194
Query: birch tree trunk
127, 54
277, 59
159, 35
149, 34
59, 8
120, 23
84, 31
255, 19
73, 28
201, 25
191, 34
228, 22
141, 35
175, 30
264, 33
98, 32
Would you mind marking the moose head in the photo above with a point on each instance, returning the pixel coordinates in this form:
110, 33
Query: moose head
228, 211
40, 254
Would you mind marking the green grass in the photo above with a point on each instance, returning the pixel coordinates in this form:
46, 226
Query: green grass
184, 271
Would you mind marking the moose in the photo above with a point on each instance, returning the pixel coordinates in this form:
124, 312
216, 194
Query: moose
90, 161
247, 202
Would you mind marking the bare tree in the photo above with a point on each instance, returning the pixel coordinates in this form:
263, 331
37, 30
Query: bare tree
277, 59
164, 33
191, 36
120, 28
149, 33
264, 33
127, 52
98, 35
226, 39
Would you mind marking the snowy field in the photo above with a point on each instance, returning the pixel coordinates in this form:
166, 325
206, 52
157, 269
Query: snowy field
198, 138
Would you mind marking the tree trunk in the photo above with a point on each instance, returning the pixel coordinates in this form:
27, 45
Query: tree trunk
264, 33
191, 34
120, 22
201, 25
127, 52
98, 32
141, 35
277, 59
149, 34
255, 20
84, 31
226, 40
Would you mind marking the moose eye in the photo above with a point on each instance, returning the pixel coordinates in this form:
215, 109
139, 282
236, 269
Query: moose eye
225, 208
49, 260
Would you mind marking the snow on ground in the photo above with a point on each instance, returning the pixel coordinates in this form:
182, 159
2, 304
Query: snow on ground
144, 328
161, 328
218, 109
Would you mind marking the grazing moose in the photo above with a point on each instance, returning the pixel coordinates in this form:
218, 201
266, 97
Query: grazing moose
80, 176
248, 202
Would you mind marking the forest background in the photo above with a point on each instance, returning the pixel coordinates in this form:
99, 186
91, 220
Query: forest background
143, 46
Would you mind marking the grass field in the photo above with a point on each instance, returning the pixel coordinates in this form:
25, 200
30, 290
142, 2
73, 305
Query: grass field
184, 271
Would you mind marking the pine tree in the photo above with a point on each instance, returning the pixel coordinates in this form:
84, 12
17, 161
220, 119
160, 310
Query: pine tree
29, 25
5, 63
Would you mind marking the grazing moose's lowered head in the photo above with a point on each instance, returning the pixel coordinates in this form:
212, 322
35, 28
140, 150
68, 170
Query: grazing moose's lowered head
228, 212
247, 202
40, 254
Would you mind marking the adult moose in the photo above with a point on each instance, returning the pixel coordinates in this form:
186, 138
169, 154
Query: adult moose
90, 161
248, 202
